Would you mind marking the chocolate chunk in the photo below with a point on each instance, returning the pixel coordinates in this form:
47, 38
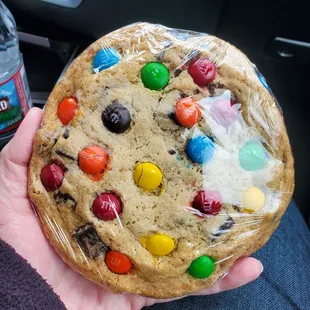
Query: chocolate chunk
234, 99
229, 222
219, 85
160, 56
177, 72
173, 117
116, 118
88, 239
66, 133
65, 198
171, 152
237, 208
63, 154
213, 86
217, 89
194, 54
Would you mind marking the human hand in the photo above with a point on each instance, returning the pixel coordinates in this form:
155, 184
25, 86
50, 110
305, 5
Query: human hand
20, 228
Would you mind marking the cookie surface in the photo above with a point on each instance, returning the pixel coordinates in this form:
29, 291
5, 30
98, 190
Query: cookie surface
161, 160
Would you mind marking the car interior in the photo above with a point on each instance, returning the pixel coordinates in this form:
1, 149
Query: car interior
275, 35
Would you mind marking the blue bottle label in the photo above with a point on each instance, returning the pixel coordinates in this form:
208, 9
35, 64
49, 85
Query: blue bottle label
15, 100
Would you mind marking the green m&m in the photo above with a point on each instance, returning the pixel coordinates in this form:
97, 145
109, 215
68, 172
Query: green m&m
155, 75
201, 268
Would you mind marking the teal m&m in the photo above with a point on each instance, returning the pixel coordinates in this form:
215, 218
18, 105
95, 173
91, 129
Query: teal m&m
155, 75
202, 267
252, 156
105, 59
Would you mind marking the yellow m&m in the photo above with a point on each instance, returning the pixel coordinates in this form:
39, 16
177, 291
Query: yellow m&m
253, 199
159, 244
148, 176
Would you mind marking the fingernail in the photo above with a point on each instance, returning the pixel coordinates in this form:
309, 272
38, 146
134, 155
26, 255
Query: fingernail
261, 267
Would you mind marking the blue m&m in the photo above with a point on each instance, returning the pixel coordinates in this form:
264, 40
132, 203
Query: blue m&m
252, 156
261, 78
200, 149
105, 59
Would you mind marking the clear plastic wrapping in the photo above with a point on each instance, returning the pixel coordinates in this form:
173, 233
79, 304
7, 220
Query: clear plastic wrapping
162, 159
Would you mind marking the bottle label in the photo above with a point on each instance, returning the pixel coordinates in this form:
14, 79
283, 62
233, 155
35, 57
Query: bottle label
15, 100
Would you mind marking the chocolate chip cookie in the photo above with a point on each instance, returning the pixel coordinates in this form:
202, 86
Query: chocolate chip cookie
161, 160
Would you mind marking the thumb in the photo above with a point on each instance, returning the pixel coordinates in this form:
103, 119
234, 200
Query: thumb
19, 150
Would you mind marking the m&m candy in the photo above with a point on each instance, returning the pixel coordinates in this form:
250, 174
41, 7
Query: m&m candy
202, 267
155, 75
253, 199
159, 244
105, 59
52, 176
148, 176
261, 78
202, 71
116, 118
93, 160
208, 202
224, 112
66, 110
200, 149
118, 262
252, 156
107, 206
187, 112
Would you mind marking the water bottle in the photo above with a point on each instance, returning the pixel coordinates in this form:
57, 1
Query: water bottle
15, 100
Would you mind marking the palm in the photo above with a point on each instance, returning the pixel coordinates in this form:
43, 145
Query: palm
20, 228
22, 231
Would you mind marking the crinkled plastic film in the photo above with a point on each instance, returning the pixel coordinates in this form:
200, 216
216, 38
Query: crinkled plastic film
162, 159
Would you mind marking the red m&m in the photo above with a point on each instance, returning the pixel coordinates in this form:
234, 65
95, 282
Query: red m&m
66, 110
107, 206
208, 202
203, 71
52, 176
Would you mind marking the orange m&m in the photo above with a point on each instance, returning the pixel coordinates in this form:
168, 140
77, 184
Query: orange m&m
93, 160
66, 110
118, 262
187, 112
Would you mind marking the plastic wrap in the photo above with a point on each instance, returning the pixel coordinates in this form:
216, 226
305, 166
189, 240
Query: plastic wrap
162, 159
